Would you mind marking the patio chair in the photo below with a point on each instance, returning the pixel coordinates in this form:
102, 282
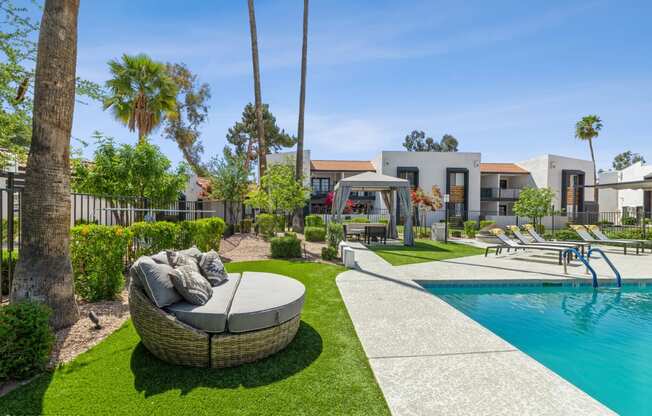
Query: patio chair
509, 244
586, 236
603, 237
523, 239
354, 230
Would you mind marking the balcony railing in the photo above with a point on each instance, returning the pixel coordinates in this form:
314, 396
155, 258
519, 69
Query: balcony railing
499, 193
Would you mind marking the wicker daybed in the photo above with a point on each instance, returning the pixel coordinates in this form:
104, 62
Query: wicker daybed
261, 318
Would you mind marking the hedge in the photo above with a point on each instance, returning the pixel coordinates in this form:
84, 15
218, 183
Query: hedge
97, 254
314, 233
314, 221
287, 247
486, 223
334, 234
328, 253
152, 237
359, 220
469, 228
25, 339
266, 224
207, 233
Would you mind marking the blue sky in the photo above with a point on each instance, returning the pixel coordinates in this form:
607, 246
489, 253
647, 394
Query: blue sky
507, 78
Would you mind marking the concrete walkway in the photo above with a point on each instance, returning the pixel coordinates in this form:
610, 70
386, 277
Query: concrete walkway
431, 359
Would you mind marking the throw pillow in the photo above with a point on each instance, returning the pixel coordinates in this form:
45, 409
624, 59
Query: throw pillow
212, 268
178, 259
154, 278
192, 286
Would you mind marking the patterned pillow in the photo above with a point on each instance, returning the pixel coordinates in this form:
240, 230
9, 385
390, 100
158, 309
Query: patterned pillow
191, 285
212, 268
178, 259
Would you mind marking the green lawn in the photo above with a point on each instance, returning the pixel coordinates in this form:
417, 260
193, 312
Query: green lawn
424, 251
323, 371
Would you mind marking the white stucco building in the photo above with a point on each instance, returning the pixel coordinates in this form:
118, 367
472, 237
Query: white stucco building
634, 202
477, 190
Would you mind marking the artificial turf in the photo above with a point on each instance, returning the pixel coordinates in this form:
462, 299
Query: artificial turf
324, 371
424, 251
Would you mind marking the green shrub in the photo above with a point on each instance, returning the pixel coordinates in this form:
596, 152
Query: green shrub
5, 229
266, 224
383, 221
328, 253
208, 233
360, 220
246, 225
152, 237
635, 234
486, 223
314, 221
314, 233
629, 221
6, 283
185, 235
334, 234
25, 339
469, 228
98, 253
287, 247
563, 235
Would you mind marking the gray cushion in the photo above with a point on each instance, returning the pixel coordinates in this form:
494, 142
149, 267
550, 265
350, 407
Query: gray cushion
191, 285
155, 280
210, 317
178, 259
212, 268
192, 251
161, 257
264, 300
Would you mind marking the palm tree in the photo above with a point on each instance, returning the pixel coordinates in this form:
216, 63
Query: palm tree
588, 128
302, 106
44, 272
141, 93
262, 149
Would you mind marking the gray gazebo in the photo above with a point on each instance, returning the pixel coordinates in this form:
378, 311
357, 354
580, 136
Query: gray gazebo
389, 187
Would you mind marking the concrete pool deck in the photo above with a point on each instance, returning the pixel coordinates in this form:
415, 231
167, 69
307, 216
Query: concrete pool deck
429, 358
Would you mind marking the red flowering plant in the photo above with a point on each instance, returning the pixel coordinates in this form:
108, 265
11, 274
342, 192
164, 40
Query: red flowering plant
425, 202
348, 208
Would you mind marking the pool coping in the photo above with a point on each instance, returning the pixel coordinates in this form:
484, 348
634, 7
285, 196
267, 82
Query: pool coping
456, 365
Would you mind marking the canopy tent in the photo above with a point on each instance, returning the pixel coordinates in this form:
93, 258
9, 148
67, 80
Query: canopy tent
389, 187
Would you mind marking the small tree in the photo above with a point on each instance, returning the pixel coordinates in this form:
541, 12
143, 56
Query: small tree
417, 141
534, 203
230, 181
279, 191
125, 170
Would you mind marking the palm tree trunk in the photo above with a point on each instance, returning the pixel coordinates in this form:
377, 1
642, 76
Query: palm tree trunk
298, 215
262, 148
595, 175
44, 272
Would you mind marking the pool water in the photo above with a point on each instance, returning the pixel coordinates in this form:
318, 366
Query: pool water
599, 340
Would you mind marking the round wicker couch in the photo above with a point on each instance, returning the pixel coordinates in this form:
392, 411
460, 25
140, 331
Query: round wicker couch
176, 342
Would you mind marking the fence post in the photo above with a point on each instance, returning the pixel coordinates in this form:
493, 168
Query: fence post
10, 225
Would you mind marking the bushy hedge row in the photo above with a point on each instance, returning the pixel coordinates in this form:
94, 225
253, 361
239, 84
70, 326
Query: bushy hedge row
99, 252
25, 339
266, 224
469, 228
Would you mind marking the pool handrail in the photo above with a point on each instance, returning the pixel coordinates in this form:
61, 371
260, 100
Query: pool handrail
606, 259
579, 255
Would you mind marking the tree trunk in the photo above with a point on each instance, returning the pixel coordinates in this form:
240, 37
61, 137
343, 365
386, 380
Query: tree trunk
595, 176
298, 214
44, 272
262, 148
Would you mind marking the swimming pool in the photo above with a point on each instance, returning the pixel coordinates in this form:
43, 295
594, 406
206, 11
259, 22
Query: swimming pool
599, 340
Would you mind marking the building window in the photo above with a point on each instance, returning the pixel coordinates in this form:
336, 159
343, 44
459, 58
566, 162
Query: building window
320, 185
503, 184
502, 210
409, 173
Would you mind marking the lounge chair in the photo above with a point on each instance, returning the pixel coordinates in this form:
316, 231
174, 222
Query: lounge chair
586, 236
537, 239
603, 237
511, 244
